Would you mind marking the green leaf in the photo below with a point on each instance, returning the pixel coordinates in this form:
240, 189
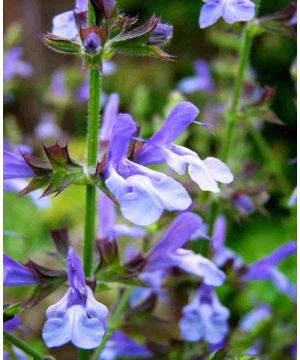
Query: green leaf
142, 50
60, 45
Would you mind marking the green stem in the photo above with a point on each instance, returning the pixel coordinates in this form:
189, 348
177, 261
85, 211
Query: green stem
231, 116
114, 322
92, 149
20, 344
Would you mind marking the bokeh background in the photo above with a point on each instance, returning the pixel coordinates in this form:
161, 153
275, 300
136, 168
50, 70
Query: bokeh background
147, 90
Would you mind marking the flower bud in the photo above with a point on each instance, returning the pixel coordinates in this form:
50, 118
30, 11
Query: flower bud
161, 34
92, 44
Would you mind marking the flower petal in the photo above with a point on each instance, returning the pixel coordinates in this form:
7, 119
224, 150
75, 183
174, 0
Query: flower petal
210, 13
109, 117
201, 175
94, 308
238, 10
106, 216
16, 274
122, 133
57, 331
177, 121
278, 255
178, 233
198, 265
15, 167
191, 326
87, 332
219, 171
63, 25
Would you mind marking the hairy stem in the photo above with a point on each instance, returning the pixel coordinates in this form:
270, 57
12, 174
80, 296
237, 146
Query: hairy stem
20, 344
114, 322
92, 146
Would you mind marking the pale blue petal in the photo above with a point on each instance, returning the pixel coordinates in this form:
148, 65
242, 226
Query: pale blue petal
210, 13
191, 326
106, 216
87, 332
94, 308
138, 296
251, 319
140, 205
198, 265
189, 85
63, 25
238, 10
57, 331
58, 309
218, 170
200, 174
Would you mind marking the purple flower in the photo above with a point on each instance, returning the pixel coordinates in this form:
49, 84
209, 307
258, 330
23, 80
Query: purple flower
47, 127
243, 204
92, 44
14, 66
110, 114
15, 167
159, 149
201, 82
265, 269
108, 229
77, 317
161, 34
16, 274
121, 345
250, 320
221, 254
58, 85
142, 193
12, 323
204, 318
231, 11
168, 252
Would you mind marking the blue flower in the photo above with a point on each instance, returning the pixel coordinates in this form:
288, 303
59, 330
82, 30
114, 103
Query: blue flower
108, 229
121, 345
16, 274
204, 318
15, 167
14, 66
231, 11
266, 269
77, 317
201, 82
251, 319
159, 149
222, 254
168, 253
142, 193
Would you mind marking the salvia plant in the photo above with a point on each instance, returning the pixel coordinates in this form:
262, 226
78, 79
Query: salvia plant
157, 184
